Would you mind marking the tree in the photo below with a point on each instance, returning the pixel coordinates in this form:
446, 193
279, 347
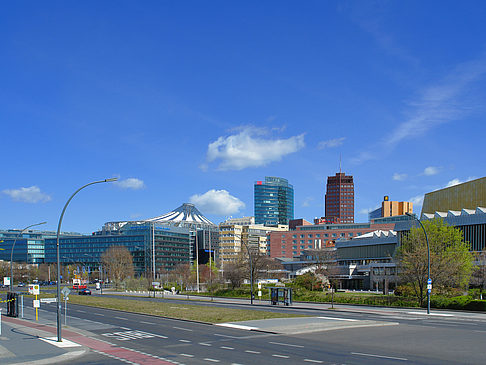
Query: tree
478, 278
234, 274
450, 259
118, 261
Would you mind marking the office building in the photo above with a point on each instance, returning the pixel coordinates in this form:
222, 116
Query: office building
339, 198
274, 201
236, 239
292, 243
391, 209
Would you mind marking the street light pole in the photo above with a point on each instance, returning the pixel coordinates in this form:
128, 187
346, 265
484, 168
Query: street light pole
59, 338
429, 280
11, 252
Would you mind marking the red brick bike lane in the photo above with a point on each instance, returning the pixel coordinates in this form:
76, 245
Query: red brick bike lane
99, 346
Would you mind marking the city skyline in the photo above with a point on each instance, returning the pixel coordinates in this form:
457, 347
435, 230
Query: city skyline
191, 102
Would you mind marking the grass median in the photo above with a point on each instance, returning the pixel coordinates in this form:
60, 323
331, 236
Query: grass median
200, 313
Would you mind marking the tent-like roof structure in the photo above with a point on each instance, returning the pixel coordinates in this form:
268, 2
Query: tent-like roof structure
185, 213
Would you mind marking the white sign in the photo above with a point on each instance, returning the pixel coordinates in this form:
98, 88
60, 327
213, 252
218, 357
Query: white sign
36, 303
48, 300
259, 293
35, 289
65, 291
429, 286
259, 285
6, 280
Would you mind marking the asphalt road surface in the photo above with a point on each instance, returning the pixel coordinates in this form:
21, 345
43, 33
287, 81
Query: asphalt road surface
372, 336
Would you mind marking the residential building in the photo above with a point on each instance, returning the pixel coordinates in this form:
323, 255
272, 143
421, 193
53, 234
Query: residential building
339, 198
273, 201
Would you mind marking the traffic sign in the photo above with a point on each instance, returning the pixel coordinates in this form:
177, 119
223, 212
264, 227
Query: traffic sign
429, 286
65, 291
429, 281
36, 304
48, 300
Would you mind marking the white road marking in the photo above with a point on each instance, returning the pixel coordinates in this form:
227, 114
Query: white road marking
228, 336
205, 344
185, 341
227, 348
183, 329
146, 322
380, 356
479, 331
125, 328
125, 319
252, 352
432, 314
340, 319
281, 356
237, 326
79, 310
212, 360
187, 355
285, 344
99, 314
316, 361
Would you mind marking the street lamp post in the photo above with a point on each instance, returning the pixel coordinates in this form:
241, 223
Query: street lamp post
11, 252
429, 280
59, 338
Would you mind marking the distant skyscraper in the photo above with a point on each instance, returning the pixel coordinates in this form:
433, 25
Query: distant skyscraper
340, 198
274, 201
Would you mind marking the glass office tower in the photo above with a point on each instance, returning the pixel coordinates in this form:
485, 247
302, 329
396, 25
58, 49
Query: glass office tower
274, 201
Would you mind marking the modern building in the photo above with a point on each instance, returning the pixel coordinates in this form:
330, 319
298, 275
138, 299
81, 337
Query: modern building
391, 209
156, 247
318, 236
472, 222
273, 201
468, 195
29, 247
204, 233
236, 238
339, 198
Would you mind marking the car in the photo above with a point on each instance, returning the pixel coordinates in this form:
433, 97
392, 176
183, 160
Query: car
20, 285
84, 292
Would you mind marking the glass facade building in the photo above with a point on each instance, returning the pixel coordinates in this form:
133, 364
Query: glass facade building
274, 201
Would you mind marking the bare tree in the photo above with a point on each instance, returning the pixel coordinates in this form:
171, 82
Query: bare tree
118, 261
234, 274
183, 274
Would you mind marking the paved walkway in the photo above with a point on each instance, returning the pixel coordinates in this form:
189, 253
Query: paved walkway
27, 341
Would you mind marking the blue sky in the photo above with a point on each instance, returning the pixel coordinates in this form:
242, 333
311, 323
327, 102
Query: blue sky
194, 101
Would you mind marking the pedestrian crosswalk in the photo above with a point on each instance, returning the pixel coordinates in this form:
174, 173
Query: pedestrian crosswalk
131, 335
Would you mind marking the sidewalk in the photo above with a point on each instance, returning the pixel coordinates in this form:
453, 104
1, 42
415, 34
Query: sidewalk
25, 341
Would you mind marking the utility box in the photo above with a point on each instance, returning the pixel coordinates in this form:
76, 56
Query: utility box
12, 304
280, 296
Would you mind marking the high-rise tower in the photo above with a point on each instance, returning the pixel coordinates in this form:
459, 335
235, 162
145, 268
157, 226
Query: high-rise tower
274, 201
340, 198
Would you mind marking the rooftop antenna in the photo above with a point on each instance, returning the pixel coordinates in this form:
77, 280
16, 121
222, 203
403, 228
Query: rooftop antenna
340, 158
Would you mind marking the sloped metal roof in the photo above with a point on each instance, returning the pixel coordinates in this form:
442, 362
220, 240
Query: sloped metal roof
186, 213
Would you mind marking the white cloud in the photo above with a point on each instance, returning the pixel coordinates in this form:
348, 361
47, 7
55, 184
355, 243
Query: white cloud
130, 183
431, 170
307, 201
399, 177
218, 202
453, 182
417, 200
446, 100
249, 148
439, 103
331, 143
28, 195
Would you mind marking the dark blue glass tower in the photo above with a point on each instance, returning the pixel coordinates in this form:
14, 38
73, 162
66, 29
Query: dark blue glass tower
274, 201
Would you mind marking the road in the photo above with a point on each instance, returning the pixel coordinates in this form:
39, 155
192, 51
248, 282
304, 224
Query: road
372, 336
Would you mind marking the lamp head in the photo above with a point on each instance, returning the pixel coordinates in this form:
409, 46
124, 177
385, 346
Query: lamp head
111, 179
